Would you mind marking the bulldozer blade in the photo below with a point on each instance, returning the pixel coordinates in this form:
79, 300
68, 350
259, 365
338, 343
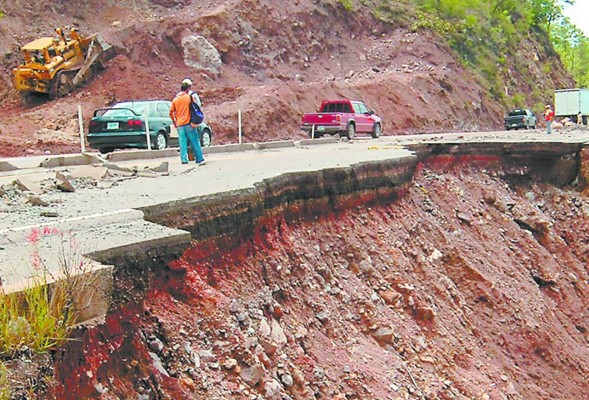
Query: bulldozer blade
97, 47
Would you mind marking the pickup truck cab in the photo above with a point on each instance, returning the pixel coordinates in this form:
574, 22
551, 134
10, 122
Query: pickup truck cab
343, 117
520, 118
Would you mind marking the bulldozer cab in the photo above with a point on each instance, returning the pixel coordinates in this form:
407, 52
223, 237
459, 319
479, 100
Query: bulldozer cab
38, 51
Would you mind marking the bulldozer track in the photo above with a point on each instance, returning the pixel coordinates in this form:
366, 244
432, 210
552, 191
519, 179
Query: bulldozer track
63, 84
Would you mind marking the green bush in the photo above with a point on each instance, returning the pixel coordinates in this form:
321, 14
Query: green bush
347, 4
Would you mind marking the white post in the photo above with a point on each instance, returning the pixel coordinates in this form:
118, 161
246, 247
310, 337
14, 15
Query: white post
147, 133
239, 124
313, 132
81, 123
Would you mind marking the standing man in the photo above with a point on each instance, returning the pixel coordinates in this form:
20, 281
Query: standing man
196, 99
548, 117
180, 115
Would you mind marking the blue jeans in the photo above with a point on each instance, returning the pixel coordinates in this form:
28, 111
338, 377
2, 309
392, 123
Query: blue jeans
549, 127
194, 138
187, 134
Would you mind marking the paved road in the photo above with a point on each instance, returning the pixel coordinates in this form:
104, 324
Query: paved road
103, 216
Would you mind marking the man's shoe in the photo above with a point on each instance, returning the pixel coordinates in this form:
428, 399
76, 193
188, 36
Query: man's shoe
184, 162
201, 163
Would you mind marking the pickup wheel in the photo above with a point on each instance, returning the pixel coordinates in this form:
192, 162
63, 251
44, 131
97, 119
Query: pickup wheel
376, 131
350, 132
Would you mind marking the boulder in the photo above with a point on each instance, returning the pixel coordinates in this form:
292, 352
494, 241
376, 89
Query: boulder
201, 54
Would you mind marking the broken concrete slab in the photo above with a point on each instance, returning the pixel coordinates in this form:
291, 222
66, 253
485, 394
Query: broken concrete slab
147, 174
90, 171
116, 167
6, 166
70, 160
63, 183
27, 185
37, 201
163, 167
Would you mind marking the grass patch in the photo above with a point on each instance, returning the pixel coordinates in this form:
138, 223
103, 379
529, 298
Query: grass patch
38, 318
4, 384
41, 316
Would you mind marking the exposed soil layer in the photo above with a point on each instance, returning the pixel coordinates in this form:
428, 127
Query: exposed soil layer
278, 60
472, 284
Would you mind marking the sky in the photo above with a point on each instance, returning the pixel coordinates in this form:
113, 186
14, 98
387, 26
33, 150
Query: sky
579, 15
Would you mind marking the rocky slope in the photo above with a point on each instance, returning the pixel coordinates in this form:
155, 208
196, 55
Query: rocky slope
271, 60
471, 285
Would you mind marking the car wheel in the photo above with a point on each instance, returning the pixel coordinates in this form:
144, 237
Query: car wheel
206, 138
350, 132
376, 131
161, 142
104, 150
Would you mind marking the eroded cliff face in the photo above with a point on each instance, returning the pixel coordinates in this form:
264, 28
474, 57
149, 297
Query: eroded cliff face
466, 281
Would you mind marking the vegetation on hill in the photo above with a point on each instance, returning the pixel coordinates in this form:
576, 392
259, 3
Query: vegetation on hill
509, 44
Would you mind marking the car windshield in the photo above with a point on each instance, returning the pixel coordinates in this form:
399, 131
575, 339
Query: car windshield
516, 113
126, 109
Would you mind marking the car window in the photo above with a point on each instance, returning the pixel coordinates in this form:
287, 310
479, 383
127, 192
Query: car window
163, 109
347, 108
127, 108
152, 110
360, 107
118, 112
516, 113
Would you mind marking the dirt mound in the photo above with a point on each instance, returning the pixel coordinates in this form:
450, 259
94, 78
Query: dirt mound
278, 60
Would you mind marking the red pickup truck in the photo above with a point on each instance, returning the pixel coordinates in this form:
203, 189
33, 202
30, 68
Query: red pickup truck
345, 117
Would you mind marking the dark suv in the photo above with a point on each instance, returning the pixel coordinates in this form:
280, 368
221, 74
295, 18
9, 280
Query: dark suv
520, 118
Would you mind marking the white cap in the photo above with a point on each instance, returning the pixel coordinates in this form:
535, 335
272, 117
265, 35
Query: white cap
187, 81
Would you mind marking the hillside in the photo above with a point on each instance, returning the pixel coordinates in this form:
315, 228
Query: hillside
273, 61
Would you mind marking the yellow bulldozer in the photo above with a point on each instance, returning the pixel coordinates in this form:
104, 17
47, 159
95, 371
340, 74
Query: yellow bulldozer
54, 66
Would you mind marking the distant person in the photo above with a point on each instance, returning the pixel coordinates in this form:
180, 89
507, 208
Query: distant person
548, 117
180, 115
579, 118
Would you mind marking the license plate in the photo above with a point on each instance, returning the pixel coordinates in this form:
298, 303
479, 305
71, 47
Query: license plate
112, 125
320, 128
513, 124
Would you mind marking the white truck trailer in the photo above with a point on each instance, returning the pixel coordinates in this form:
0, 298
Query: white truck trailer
571, 102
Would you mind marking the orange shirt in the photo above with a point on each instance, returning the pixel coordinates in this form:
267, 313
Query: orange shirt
180, 110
